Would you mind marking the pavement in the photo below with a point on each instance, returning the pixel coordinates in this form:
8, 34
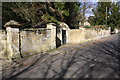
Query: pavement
93, 59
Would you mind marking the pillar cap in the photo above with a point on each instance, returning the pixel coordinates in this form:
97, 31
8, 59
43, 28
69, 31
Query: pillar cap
49, 25
64, 26
12, 23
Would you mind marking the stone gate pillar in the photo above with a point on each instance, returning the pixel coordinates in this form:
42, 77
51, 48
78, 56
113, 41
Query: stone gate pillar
53, 34
65, 27
9, 25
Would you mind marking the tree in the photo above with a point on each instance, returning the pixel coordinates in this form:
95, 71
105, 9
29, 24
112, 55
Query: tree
74, 14
85, 8
42, 12
114, 19
100, 13
106, 13
23, 12
91, 20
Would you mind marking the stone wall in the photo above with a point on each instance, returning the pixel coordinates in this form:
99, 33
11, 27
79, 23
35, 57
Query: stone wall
28, 43
35, 41
82, 34
15, 41
3, 39
76, 36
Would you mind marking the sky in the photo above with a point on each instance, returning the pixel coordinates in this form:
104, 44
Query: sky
88, 0
89, 11
95, 1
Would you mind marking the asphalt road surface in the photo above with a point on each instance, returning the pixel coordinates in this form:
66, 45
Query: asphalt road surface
94, 59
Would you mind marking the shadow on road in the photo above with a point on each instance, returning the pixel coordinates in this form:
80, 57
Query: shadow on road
100, 60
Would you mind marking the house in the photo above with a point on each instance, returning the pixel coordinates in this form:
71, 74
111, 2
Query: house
86, 23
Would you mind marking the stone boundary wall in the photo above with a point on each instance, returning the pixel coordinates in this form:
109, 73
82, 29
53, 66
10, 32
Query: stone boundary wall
35, 41
3, 46
28, 43
82, 34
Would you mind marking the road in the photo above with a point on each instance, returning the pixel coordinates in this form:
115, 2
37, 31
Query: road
94, 59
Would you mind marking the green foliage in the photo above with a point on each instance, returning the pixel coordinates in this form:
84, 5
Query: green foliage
42, 12
87, 26
91, 20
50, 19
114, 18
60, 6
106, 13
22, 12
74, 14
